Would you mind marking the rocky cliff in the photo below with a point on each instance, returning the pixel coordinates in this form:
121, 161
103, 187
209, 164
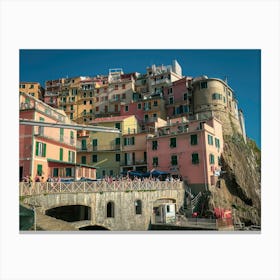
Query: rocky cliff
239, 186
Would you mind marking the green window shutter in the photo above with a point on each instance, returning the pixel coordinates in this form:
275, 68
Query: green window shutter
84, 159
211, 159
132, 140
94, 142
117, 141
195, 159
55, 172
37, 148
194, 139
118, 157
84, 144
69, 155
125, 141
39, 170
61, 154
44, 149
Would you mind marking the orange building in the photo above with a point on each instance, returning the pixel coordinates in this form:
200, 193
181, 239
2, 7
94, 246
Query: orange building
33, 89
48, 151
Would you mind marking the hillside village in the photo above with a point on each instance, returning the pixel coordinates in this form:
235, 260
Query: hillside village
185, 128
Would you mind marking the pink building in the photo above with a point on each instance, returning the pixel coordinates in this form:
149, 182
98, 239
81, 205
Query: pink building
47, 151
190, 149
178, 98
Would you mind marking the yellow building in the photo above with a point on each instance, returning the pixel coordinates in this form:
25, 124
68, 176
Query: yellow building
104, 150
32, 88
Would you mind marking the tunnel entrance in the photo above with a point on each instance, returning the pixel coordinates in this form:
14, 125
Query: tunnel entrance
70, 213
93, 228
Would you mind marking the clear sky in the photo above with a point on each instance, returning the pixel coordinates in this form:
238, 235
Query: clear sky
241, 67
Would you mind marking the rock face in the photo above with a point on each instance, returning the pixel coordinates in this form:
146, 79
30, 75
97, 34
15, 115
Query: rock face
239, 186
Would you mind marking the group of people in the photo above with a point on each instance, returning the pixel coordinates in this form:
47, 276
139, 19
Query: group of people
110, 179
29, 179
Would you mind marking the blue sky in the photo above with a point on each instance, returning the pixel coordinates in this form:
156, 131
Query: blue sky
241, 67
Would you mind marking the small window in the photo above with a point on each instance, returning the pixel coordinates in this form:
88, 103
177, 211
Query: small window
154, 145
123, 96
155, 103
39, 169
203, 85
138, 207
118, 157
94, 142
55, 172
84, 144
61, 154
167, 208
155, 161
195, 159
174, 160
84, 159
139, 106
211, 159
217, 143
126, 108
85, 103
118, 141
171, 100
210, 139
118, 125
68, 171
173, 143
94, 158
194, 139
116, 87
110, 209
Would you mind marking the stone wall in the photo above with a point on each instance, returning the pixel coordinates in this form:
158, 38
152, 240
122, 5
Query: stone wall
125, 217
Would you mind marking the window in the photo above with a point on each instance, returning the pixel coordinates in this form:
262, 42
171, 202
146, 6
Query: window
211, 159
71, 116
41, 128
72, 137
118, 157
194, 139
110, 209
126, 108
84, 144
111, 172
61, 134
139, 106
94, 158
219, 161
55, 172
85, 103
195, 159
171, 100
154, 145
61, 154
217, 143
39, 169
71, 107
155, 103
174, 160
90, 95
155, 161
90, 102
94, 142
203, 85
129, 141
210, 139
123, 96
41, 149
216, 96
118, 125
71, 156
97, 109
185, 96
123, 86
116, 87
84, 159
68, 171
167, 208
138, 207
85, 112
173, 143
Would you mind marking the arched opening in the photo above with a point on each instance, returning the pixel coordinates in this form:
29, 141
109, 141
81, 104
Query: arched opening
70, 213
95, 227
110, 209
138, 207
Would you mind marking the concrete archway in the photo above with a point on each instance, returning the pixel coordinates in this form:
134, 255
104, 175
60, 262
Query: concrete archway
93, 227
70, 213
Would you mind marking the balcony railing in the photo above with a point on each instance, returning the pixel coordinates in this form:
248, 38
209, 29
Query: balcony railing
30, 189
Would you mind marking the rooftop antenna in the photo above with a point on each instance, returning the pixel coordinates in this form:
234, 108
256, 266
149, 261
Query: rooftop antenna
226, 79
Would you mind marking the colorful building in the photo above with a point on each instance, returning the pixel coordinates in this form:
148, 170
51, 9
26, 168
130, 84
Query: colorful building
32, 88
48, 151
104, 150
188, 149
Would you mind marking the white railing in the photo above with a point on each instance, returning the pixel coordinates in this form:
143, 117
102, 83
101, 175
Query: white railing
27, 189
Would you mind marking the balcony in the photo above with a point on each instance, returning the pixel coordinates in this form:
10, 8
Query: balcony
39, 132
161, 81
98, 148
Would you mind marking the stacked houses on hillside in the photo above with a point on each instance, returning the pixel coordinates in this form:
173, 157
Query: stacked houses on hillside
167, 121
